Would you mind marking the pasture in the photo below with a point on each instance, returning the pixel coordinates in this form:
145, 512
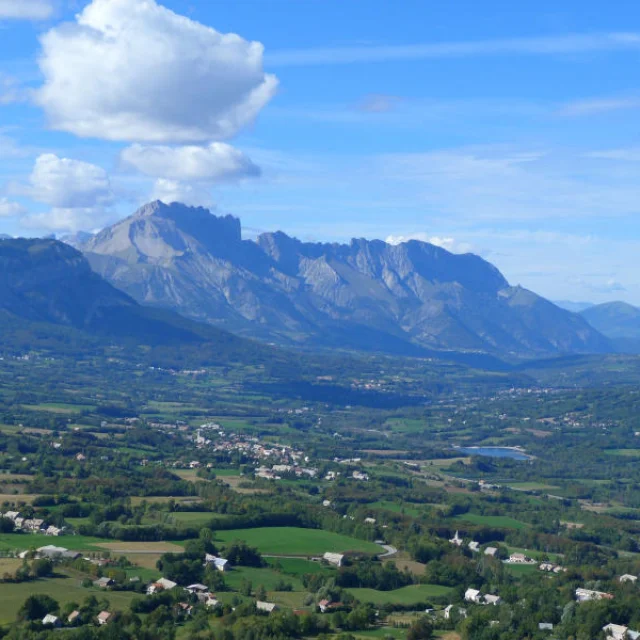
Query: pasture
413, 594
141, 547
24, 541
266, 577
292, 541
298, 566
193, 518
504, 522
63, 589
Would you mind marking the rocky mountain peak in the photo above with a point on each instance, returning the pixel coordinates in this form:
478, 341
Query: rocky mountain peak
367, 292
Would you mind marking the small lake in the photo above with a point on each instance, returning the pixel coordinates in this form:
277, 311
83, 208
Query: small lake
495, 452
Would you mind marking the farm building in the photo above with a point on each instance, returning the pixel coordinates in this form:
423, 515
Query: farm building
335, 559
103, 617
221, 564
51, 620
586, 595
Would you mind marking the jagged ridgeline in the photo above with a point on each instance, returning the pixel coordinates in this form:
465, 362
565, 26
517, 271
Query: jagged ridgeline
50, 297
367, 294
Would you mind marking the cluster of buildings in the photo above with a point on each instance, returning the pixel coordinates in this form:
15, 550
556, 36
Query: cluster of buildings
550, 567
274, 473
31, 525
520, 558
476, 597
213, 437
620, 632
51, 552
473, 545
587, 595
54, 621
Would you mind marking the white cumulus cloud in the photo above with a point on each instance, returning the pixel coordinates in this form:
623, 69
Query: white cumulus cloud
217, 162
79, 194
65, 220
169, 191
26, 9
69, 184
450, 244
10, 208
132, 70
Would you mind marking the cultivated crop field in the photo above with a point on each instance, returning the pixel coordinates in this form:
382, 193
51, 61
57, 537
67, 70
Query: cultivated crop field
291, 541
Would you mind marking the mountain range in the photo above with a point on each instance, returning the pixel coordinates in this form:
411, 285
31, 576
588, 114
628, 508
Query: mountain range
50, 296
411, 298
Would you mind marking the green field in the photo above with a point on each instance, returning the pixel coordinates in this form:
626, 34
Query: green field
413, 594
193, 518
405, 425
299, 566
521, 569
531, 486
383, 632
291, 541
395, 507
62, 589
628, 453
505, 522
266, 577
24, 541
225, 473
59, 407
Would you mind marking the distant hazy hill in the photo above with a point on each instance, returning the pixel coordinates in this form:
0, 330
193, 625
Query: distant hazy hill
366, 294
576, 307
48, 291
618, 321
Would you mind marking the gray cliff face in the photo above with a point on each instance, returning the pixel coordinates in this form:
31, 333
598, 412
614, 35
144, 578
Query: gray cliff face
366, 294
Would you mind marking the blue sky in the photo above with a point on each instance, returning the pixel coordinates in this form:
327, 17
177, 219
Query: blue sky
507, 130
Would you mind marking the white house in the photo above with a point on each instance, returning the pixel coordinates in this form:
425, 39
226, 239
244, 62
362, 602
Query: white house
628, 578
472, 595
586, 595
52, 620
616, 632
474, 546
211, 601
197, 588
494, 600
335, 559
269, 607
519, 558
451, 608
103, 617
221, 564
161, 585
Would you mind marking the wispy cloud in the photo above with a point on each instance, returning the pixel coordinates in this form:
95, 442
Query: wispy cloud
26, 9
630, 154
378, 103
593, 106
544, 45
